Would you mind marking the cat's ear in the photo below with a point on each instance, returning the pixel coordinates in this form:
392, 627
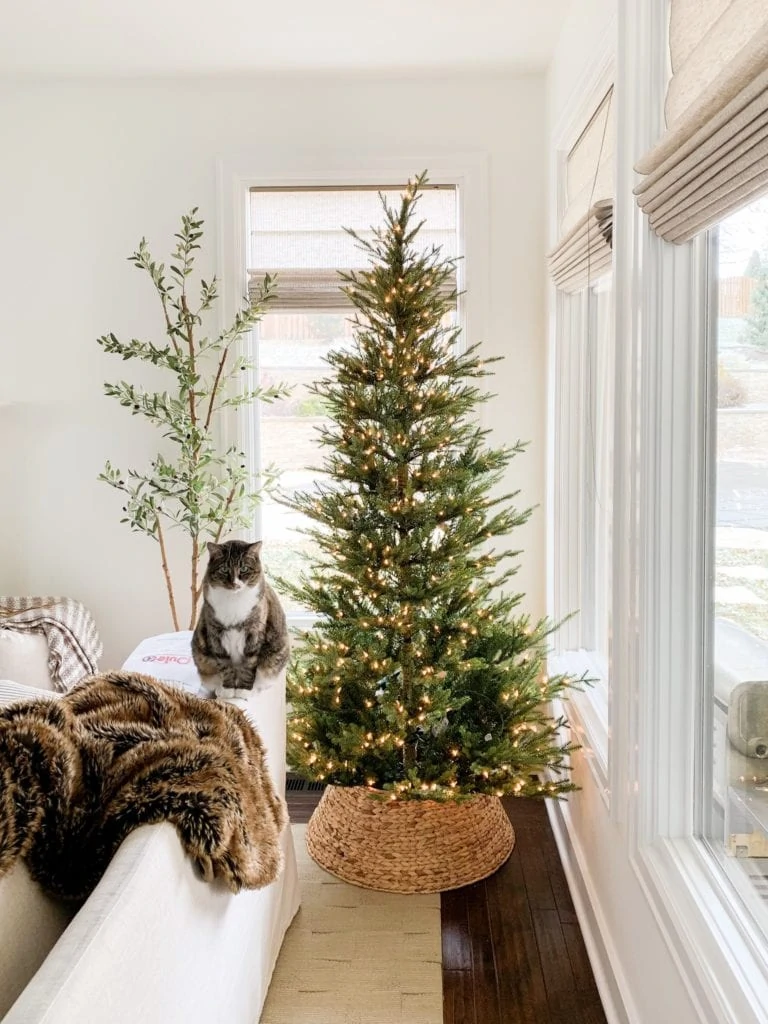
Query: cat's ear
255, 549
213, 549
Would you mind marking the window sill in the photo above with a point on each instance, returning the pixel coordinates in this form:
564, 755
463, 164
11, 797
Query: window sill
721, 945
298, 621
587, 711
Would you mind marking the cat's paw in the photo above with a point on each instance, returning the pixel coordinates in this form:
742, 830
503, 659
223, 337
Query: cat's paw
263, 681
237, 702
232, 695
241, 694
210, 684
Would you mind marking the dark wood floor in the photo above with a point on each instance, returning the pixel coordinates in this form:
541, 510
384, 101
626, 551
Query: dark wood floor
512, 946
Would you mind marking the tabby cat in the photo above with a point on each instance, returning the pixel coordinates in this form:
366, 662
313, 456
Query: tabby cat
242, 628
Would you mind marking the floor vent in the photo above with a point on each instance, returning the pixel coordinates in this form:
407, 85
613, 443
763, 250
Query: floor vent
294, 784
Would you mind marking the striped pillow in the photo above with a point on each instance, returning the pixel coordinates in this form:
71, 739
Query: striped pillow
11, 692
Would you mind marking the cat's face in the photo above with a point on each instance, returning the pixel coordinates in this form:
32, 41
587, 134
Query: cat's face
234, 565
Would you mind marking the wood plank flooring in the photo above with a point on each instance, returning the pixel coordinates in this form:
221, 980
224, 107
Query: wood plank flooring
512, 947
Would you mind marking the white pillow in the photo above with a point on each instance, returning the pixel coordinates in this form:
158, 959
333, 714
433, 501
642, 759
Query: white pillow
24, 659
10, 692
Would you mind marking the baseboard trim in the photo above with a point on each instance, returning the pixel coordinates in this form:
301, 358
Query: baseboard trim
611, 984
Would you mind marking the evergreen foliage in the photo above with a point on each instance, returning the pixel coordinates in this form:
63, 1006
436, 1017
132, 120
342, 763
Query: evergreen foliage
754, 267
756, 323
421, 676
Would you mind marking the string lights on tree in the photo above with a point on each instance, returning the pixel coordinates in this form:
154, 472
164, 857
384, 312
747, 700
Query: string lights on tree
421, 678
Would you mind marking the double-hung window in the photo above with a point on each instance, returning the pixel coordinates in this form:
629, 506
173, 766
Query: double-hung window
582, 419
737, 822
298, 234
695, 442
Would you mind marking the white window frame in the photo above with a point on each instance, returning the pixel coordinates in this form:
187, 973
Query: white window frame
238, 173
588, 711
661, 709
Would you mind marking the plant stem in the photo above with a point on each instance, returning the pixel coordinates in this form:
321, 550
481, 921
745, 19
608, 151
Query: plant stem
406, 676
195, 454
215, 388
223, 520
166, 573
230, 498
169, 326
193, 586
187, 320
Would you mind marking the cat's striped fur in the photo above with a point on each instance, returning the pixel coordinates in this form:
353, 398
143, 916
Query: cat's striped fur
241, 630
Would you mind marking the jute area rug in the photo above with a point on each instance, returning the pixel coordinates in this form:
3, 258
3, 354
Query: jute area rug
355, 956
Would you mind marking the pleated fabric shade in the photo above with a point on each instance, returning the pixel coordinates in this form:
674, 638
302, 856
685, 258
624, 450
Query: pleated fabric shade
316, 290
584, 251
298, 234
713, 157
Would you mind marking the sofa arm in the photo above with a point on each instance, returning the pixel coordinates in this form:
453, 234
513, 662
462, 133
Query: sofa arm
156, 944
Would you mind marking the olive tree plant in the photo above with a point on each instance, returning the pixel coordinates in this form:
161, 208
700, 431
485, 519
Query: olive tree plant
194, 484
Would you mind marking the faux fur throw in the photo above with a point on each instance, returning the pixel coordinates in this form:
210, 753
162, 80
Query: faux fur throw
122, 750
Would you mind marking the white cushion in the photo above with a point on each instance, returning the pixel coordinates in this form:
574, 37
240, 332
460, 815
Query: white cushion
33, 919
24, 658
168, 657
11, 691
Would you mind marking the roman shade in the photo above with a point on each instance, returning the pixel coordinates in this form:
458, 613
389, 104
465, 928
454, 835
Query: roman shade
298, 234
713, 157
584, 251
315, 290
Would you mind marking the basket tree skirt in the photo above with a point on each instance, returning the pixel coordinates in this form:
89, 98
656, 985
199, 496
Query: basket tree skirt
411, 845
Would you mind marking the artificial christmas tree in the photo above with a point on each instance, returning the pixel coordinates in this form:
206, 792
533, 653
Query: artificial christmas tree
422, 686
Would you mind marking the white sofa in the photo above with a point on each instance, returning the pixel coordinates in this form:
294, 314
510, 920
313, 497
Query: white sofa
153, 943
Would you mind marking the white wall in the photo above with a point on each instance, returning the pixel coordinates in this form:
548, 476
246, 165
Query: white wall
639, 978
88, 168
581, 35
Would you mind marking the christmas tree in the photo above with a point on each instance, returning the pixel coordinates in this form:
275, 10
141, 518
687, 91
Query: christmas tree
422, 677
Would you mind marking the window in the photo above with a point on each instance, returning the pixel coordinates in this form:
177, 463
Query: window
598, 467
581, 485
582, 549
584, 417
738, 823
298, 234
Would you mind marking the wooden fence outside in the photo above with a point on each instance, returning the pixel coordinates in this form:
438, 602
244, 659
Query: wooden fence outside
735, 295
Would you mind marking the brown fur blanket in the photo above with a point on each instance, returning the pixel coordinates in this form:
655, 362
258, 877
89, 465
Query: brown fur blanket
77, 774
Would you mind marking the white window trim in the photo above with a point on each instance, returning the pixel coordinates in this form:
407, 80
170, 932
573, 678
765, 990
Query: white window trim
588, 711
237, 173
660, 591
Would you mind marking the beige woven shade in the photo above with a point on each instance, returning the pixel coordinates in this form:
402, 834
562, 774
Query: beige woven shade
589, 171
586, 252
713, 157
312, 290
297, 234
586, 227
